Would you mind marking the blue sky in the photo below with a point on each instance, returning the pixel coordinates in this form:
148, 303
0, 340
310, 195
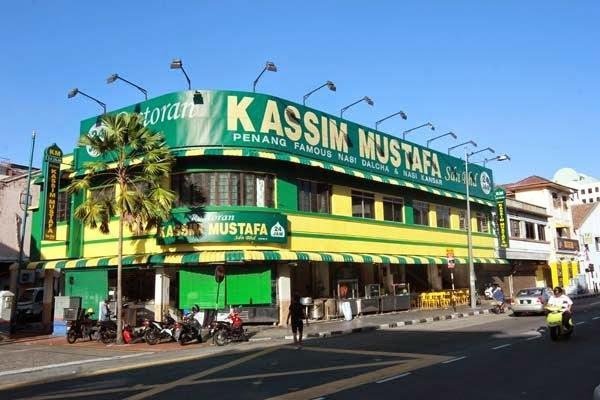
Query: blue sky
521, 77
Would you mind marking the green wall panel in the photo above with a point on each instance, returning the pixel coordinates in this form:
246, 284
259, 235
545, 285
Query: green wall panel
91, 286
287, 194
198, 286
248, 285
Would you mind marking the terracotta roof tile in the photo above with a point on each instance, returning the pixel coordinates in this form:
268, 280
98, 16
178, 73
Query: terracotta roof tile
580, 212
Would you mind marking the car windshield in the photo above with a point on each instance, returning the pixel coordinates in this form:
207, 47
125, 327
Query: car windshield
26, 296
530, 292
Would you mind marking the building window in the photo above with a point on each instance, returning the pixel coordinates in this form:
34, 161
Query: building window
563, 232
515, 228
582, 191
393, 209
363, 204
443, 216
482, 222
314, 196
590, 190
584, 200
597, 243
591, 200
103, 194
541, 232
555, 200
462, 220
63, 209
197, 189
530, 230
420, 213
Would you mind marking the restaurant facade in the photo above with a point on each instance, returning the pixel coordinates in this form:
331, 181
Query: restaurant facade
283, 199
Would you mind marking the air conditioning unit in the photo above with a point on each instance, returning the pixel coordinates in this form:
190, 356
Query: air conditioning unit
27, 277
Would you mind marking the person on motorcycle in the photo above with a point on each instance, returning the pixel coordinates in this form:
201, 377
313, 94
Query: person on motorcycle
560, 299
498, 295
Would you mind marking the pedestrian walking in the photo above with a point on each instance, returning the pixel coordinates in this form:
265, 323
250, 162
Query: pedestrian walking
296, 313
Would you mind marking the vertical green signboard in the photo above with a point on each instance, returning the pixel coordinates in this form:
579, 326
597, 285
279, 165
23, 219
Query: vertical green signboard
52, 159
501, 218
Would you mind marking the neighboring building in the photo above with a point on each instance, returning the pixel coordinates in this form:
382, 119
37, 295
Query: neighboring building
587, 188
586, 221
295, 200
555, 199
529, 248
13, 181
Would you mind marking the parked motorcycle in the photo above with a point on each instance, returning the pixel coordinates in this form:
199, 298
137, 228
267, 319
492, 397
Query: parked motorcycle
224, 332
554, 320
157, 330
189, 329
107, 331
82, 327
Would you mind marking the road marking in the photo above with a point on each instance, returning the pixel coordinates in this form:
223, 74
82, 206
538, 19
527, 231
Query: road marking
534, 337
598, 317
580, 323
68, 364
501, 346
454, 359
391, 378
319, 398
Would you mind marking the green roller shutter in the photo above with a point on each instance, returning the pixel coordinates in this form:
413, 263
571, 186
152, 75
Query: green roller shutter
249, 285
91, 286
198, 286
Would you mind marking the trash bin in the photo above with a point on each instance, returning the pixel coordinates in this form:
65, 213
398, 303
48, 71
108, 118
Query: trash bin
346, 310
316, 311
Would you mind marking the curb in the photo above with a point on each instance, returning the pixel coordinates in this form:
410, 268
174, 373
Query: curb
371, 328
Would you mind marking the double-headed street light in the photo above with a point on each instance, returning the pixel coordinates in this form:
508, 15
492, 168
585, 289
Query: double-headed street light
74, 92
366, 99
269, 66
401, 113
178, 64
330, 85
441, 136
468, 221
429, 124
115, 77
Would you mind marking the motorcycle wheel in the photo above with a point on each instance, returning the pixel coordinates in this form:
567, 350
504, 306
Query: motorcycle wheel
183, 338
221, 338
152, 337
71, 336
106, 337
554, 333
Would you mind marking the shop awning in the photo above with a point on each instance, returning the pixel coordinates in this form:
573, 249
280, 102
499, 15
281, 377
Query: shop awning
238, 256
273, 155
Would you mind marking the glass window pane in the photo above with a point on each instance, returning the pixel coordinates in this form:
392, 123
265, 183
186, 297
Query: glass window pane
260, 191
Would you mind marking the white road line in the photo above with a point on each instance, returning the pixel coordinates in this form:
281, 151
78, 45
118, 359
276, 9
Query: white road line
391, 378
598, 317
67, 364
534, 337
319, 398
501, 346
454, 359
580, 323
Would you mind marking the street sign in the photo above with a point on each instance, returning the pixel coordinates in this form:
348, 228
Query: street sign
450, 257
219, 273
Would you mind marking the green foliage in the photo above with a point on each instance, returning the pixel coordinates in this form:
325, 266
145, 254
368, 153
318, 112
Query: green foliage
136, 161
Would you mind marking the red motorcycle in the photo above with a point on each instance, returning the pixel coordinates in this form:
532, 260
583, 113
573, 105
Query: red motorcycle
229, 331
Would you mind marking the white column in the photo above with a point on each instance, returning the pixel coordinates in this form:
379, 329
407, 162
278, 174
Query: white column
161, 293
284, 289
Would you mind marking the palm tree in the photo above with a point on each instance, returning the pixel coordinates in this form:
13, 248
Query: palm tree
136, 160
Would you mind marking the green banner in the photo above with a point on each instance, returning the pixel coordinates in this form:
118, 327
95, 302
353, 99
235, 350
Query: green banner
223, 226
501, 219
252, 120
52, 160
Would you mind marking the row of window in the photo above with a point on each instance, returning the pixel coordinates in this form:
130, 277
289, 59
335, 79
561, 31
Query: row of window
597, 189
527, 230
591, 200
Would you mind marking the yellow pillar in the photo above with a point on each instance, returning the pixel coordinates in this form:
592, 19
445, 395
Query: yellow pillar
565, 273
575, 268
554, 273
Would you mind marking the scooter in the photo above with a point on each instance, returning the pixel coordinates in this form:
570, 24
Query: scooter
82, 327
188, 330
225, 332
554, 320
157, 331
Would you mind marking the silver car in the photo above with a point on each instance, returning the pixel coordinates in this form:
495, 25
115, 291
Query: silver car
531, 300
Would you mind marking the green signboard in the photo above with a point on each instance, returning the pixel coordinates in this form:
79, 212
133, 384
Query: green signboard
501, 218
52, 160
223, 226
252, 120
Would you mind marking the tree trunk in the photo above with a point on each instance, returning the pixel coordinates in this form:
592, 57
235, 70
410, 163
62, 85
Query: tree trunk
119, 284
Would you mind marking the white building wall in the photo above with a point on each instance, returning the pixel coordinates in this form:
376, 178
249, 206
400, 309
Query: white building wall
589, 233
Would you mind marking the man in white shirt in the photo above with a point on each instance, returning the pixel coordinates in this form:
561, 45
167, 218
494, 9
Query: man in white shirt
562, 300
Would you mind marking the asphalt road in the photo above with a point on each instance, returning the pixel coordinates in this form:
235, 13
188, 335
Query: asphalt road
484, 357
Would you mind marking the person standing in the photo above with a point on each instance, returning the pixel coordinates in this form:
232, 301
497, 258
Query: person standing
296, 314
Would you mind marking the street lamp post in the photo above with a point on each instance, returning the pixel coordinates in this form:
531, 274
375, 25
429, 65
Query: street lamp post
366, 99
178, 64
462, 144
468, 223
115, 77
501, 157
441, 136
429, 124
74, 92
330, 85
401, 113
269, 66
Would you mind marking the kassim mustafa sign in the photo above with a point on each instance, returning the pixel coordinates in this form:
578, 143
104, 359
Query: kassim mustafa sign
252, 120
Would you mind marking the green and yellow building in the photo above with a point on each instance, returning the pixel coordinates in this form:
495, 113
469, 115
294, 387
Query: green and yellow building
287, 198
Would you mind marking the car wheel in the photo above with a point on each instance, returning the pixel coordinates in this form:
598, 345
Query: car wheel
517, 313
